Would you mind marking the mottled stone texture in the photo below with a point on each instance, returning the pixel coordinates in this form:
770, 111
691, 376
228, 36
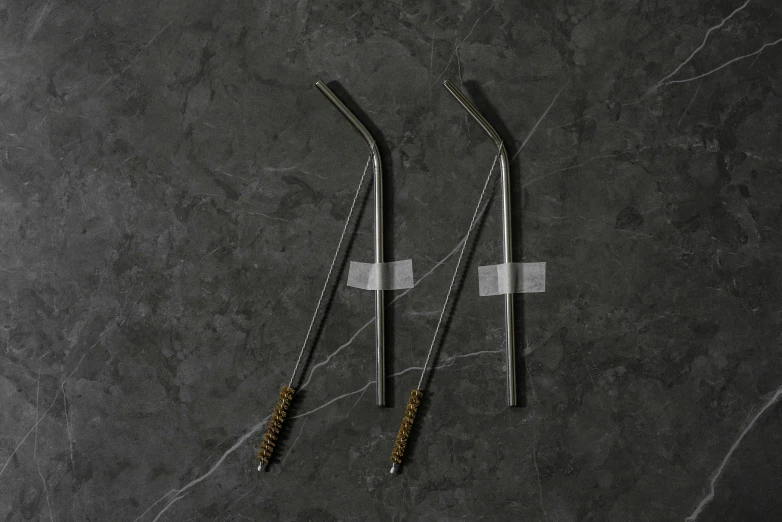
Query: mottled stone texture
172, 187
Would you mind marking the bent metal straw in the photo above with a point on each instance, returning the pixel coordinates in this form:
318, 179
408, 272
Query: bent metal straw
380, 351
510, 344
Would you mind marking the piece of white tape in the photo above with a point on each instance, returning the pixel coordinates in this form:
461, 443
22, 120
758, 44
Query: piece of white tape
396, 275
512, 278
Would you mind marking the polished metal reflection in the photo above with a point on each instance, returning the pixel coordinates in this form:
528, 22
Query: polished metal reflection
506, 233
380, 372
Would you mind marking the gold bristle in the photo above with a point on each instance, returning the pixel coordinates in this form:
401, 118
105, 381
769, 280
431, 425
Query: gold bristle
406, 427
275, 425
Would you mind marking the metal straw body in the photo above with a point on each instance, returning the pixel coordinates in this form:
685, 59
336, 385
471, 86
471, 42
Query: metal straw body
380, 371
506, 233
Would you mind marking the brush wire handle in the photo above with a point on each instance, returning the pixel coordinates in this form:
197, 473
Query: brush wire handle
275, 426
405, 429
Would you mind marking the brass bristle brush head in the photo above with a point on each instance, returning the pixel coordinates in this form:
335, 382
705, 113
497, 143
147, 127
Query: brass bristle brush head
405, 429
275, 425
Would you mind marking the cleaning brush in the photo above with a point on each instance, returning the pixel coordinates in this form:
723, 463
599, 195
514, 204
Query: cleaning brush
406, 427
275, 426
286, 395
417, 394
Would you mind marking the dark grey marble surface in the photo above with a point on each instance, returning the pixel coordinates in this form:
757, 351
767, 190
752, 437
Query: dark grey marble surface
172, 187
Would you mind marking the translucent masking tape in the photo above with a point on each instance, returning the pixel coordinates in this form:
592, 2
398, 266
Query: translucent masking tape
395, 275
512, 278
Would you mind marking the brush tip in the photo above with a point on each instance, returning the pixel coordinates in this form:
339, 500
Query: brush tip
395, 468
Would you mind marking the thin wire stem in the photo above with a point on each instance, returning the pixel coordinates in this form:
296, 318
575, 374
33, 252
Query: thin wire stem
331, 267
458, 263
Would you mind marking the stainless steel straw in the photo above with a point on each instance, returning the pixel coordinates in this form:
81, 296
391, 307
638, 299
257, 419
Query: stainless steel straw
380, 372
506, 232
